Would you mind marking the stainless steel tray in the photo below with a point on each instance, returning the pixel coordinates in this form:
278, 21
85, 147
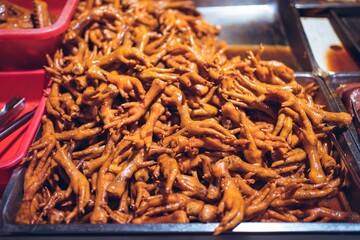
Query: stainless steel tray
271, 22
14, 191
346, 22
254, 22
344, 16
322, 4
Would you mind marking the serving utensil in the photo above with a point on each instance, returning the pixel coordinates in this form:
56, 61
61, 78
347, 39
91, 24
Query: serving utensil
16, 124
11, 109
348, 164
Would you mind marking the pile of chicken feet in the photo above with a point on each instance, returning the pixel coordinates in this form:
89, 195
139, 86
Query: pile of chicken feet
148, 121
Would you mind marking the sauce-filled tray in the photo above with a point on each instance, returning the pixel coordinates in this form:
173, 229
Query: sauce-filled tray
26, 48
331, 46
247, 24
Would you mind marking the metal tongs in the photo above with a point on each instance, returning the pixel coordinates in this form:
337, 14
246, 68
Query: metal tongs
356, 114
9, 112
346, 161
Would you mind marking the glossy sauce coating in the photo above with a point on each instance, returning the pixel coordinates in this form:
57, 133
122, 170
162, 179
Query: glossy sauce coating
150, 121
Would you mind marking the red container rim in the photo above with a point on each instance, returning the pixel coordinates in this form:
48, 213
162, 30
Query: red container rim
43, 33
30, 132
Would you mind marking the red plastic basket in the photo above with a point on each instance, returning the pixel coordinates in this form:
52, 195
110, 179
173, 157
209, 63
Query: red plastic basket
31, 85
22, 49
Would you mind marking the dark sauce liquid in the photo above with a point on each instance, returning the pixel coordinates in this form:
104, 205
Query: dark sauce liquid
278, 53
337, 59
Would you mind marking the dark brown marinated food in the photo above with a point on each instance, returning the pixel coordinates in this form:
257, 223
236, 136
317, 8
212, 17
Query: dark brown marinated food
350, 96
148, 121
41, 14
15, 16
348, 91
3, 11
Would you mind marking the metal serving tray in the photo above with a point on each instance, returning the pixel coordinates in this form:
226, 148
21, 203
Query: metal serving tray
346, 22
14, 191
322, 4
344, 18
253, 22
334, 81
271, 22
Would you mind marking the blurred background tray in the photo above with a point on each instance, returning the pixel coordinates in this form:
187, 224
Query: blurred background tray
331, 47
25, 49
320, 4
346, 22
247, 24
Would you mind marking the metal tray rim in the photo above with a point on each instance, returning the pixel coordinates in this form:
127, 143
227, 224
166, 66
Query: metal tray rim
245, 227
324, 5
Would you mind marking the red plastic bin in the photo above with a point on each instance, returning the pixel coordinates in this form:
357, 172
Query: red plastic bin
24, 49
31, 85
